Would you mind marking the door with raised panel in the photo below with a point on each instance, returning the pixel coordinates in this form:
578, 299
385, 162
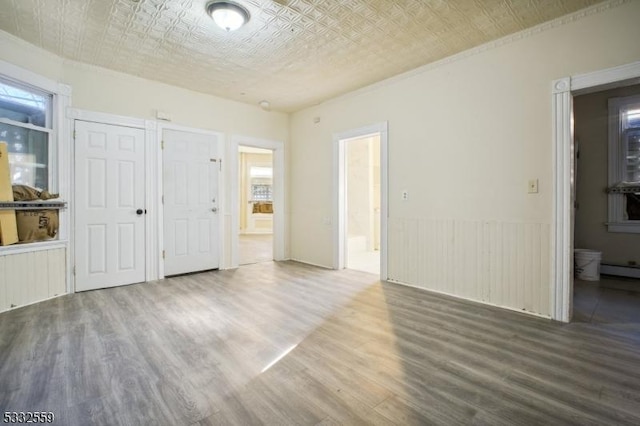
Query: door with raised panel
109, 198
191, 168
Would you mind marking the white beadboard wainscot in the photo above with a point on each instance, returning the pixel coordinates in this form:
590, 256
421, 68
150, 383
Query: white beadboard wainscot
31, 277
499, 263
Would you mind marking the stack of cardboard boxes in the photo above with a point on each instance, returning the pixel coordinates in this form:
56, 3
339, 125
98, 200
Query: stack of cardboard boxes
8, 224
25, 225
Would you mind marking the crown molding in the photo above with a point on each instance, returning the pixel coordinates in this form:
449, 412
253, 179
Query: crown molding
32, 48
511, 38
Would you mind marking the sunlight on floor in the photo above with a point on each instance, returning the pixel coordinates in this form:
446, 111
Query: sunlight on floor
366, 261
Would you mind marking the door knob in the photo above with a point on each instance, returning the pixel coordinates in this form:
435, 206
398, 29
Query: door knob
215, 209
139, 212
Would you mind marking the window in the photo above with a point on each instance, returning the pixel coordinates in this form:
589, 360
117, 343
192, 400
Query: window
261, 192
261, 179
26, 126
624, 164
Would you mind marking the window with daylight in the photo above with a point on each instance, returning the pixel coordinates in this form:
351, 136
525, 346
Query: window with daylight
624, 164
261, 192
261, 181
26, 127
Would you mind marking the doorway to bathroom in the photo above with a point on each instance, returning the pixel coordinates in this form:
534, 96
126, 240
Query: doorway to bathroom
361, 199
362, 171
606, 287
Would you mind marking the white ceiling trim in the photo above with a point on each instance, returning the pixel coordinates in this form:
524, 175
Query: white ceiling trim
29, 48
529, 32
295, 55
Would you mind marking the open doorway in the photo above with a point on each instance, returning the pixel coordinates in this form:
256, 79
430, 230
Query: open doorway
564, 183
255, 233
361, 199
362, 206
607, 208
278, 217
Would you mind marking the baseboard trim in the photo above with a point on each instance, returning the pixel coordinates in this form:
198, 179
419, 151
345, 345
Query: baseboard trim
479, 302
620, 271
311, 264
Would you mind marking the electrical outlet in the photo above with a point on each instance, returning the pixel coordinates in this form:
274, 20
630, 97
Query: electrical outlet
405, 195
533, 186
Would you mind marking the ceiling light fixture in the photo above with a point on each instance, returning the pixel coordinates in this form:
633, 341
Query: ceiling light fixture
228, 15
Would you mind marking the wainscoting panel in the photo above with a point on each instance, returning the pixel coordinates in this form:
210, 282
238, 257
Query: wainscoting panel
500, 263
31, 277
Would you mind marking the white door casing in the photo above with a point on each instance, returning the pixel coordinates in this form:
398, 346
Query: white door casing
191, 167
110, 205
279, 216
562, 94
339, 179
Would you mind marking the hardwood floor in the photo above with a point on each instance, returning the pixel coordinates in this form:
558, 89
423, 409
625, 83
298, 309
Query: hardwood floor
254, 248
285, 343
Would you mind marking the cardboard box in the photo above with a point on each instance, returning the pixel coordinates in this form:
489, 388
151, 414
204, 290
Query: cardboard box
8, 224
37, 225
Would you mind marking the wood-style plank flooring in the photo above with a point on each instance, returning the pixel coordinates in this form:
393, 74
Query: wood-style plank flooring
254, 248
289, 344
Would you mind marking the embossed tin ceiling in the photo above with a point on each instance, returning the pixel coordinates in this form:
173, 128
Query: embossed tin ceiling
293, 53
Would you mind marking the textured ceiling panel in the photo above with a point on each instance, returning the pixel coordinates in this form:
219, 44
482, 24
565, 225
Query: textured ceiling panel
293, 53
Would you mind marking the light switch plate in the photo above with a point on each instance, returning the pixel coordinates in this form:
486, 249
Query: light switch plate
533, 186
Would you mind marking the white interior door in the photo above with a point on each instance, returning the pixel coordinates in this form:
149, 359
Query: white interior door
190, 177
109, 197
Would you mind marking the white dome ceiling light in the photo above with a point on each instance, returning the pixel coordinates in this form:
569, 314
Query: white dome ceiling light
228, 15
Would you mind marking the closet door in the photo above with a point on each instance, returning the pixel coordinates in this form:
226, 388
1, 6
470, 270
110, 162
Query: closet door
109, 197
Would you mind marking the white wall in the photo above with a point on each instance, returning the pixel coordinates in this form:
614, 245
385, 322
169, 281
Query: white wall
30, 277
465, 136
358, 195
27, 56
102, 90
98, 89
363, 189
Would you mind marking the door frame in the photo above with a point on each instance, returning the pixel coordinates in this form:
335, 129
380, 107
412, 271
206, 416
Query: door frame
151, 202
563, 91
161, 127
279, 214
340, 141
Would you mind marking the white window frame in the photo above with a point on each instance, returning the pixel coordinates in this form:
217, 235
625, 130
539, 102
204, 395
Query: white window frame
48, 128
617, 162
58, 154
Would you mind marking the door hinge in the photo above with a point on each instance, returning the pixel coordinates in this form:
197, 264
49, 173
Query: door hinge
163, 199
220, 164
163, 254
74, 135
74, 270
161, 144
